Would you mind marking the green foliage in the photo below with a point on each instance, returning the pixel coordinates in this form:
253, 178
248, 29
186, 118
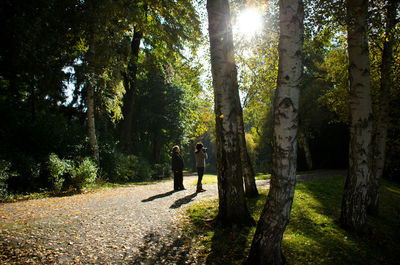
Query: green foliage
77, 174
161, 171
84, 173
130, 168
313, 235
126, 168
5, 174
57, 169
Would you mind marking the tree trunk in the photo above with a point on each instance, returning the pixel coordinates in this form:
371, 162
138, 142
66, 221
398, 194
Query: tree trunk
232, 205
266, 245
382, 120
129, 98
156, 146
90, 88
354, 202
247, 168
306, 148
91, 123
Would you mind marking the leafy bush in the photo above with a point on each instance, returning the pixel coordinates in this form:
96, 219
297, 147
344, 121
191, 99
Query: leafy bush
58, 168
61, 170
161, 171
5, 173
85, 173
126, 168
144, 171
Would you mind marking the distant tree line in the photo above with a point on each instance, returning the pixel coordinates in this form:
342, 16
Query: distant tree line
103, 80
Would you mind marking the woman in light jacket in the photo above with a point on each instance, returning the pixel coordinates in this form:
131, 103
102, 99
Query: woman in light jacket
200, 154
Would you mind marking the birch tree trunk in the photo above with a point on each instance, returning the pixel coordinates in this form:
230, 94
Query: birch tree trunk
232, 205
354, 202
382, 120
266, 245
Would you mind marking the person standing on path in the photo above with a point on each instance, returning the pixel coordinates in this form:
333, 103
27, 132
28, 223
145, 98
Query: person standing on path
201, 155
177, 168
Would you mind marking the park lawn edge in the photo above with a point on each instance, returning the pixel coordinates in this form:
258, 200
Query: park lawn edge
313, 235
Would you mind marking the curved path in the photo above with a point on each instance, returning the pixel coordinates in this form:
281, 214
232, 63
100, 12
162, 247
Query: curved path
126, 225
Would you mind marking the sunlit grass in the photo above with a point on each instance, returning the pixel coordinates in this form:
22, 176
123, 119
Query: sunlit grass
313, 235
212, 178
263, 176
207, 179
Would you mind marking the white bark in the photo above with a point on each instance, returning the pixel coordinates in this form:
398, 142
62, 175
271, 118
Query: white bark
353, 215
232, 205
383, 112
266, 245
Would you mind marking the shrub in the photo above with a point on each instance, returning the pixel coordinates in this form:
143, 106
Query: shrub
161, 171
58, 168
84, 174
126, 168
5, 173
61, 169
143, 170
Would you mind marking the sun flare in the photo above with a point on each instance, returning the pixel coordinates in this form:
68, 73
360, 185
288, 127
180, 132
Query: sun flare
249, 22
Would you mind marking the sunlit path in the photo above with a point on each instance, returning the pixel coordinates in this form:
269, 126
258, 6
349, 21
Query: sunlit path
124, 225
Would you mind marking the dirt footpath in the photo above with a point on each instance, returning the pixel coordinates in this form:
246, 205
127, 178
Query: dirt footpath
125, 225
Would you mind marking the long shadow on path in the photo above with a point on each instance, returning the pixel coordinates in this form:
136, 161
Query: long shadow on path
159, 196
163, 249
185, 200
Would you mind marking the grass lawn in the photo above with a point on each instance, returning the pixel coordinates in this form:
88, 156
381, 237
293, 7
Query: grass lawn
313, 235
212, 178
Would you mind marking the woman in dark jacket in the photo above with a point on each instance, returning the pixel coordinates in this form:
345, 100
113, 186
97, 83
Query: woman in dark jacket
177, 168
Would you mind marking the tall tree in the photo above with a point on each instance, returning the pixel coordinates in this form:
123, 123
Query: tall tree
381, 126
130, 88
103, 59
232, 204
266, 245
164, 27
354, 202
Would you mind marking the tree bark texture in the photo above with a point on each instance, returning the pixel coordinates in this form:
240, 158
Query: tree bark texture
91, 122
354, 202
129, 97
247, 168
306, 147
90, 89
232, 205
266, 245
383, 112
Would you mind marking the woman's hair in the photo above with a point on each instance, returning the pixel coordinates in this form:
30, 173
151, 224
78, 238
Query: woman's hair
175, 148
199, 146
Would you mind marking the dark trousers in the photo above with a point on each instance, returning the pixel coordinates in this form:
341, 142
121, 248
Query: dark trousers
200, 173
178, 180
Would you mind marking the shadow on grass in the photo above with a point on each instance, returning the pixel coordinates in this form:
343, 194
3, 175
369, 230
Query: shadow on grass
159, 196
314, 237
231, 245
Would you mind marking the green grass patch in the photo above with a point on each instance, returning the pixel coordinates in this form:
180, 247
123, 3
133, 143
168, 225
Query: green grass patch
213, 179
262, 176
207, 179
313, 235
